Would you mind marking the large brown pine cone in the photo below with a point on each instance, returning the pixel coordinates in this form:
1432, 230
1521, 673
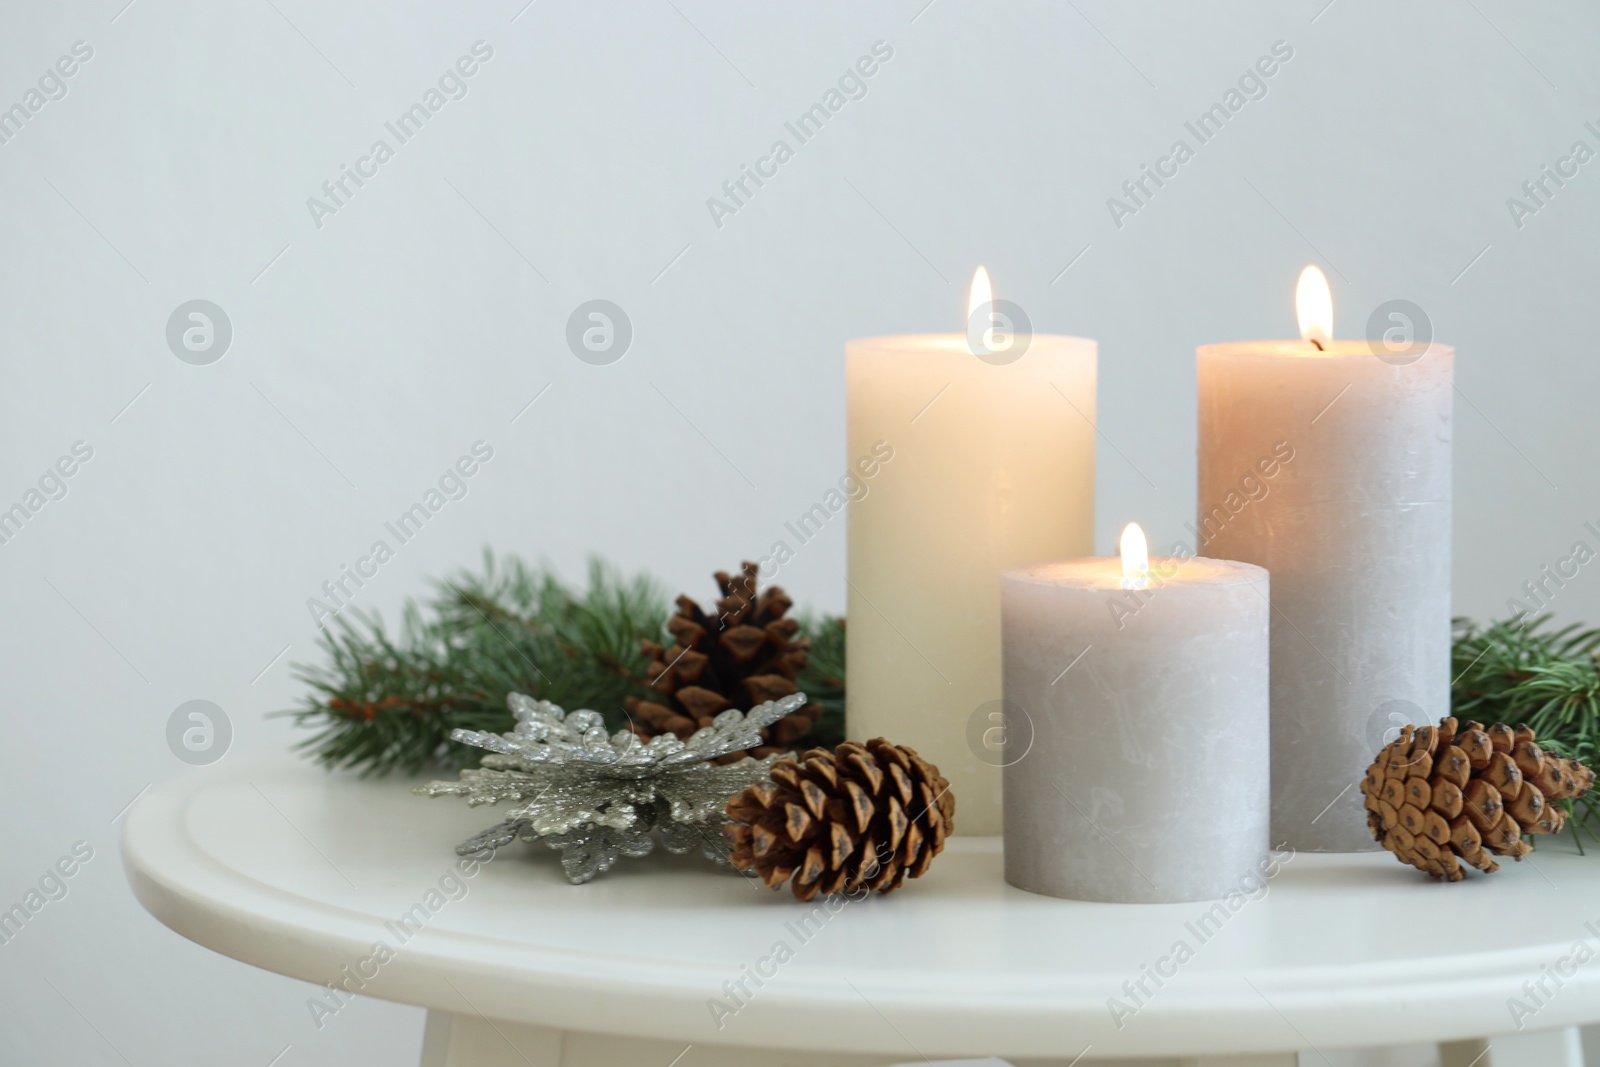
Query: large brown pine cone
830, 822
1441, 794
743, 655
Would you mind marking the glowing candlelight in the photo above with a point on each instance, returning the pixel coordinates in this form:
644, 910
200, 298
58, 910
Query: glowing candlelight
1313, 306
981, 334
1135, 551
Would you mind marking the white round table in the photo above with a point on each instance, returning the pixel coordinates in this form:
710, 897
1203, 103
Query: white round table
354, 883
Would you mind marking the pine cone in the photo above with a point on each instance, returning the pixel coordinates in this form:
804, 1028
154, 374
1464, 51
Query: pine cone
870, 815
746, 654
1448, 791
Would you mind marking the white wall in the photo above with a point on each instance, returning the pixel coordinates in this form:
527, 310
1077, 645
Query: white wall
381, 345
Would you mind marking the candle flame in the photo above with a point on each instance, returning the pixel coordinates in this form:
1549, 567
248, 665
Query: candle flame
981, 292
1313, 306
988, 333
1135, 557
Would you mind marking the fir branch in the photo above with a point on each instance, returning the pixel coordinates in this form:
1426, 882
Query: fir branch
1519, 671
823, 679
381, 703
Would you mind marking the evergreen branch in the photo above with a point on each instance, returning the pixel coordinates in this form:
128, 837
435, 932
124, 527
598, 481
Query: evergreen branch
381, 703
823, 679
1519, 671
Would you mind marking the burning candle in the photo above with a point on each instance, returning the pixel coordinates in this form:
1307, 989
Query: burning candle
1137, 704
992, 432
1328, 463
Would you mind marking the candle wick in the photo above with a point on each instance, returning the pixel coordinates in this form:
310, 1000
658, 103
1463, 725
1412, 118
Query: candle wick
1318, 344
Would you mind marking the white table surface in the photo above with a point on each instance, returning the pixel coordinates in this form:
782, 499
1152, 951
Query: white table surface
287, 867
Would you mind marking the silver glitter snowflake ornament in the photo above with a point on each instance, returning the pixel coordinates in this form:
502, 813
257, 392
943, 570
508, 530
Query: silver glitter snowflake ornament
596, 797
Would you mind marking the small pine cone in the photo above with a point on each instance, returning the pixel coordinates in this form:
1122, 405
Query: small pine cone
830, 822
1458, 791
742, 655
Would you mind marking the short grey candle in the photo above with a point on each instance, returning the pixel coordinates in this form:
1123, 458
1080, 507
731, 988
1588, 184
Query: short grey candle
1137, 736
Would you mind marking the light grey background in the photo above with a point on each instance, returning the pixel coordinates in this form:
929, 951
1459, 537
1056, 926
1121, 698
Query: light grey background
371, 352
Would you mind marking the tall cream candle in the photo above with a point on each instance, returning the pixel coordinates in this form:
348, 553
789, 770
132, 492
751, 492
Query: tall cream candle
993, 466
1330, 466
1139, 727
